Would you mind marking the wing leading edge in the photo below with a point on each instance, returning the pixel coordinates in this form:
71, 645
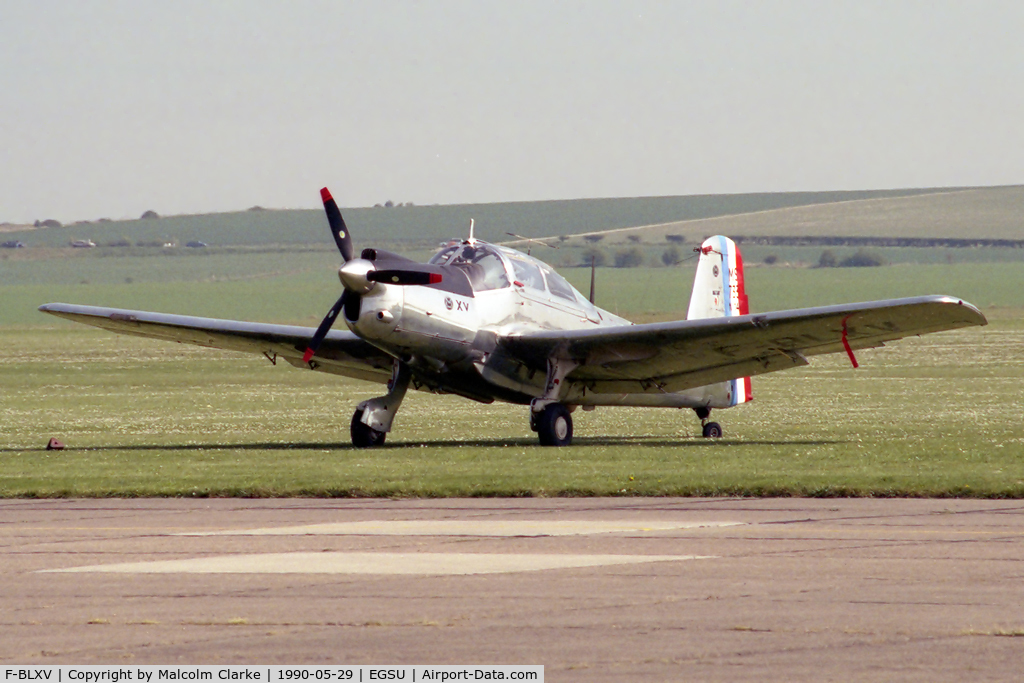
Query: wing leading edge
675, 356
341, 353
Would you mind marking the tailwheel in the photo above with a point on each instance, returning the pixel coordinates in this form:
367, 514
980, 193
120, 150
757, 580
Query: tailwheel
554, 425
365, 436
712, 430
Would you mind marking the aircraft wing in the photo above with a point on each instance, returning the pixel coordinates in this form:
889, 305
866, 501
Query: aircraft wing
341, 353
669, 357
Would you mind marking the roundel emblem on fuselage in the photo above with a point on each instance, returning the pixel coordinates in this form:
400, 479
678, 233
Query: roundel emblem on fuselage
448, 303
341, 234
714, 271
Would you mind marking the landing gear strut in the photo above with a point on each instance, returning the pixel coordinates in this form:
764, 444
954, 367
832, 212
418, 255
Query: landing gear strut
372, 419
711, 430
549, 418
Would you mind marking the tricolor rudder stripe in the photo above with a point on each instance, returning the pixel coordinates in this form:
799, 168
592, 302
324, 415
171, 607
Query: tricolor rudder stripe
741, 387
741, 391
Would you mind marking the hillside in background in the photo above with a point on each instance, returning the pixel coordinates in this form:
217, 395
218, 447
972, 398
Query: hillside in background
281, 265
990, 213
430, 224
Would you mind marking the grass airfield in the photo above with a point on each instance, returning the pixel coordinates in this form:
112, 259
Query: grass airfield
934, 416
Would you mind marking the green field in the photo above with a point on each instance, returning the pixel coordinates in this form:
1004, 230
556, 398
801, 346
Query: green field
933, 416
294, 294
938, 415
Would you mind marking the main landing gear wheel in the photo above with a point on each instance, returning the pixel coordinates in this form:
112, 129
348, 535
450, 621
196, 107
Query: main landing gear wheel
712, 430
554, 425
365, 436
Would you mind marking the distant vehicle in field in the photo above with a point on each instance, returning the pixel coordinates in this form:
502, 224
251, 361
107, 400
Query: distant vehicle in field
196, 244
12, 244
487, 323
83, 244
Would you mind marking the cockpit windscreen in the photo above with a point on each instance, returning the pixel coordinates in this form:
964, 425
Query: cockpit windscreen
480, 263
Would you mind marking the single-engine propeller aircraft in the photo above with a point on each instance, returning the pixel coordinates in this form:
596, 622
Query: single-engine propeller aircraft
491, 323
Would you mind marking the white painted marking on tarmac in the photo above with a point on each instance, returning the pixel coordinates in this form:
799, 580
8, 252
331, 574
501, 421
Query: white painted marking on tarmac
442, 527
373, 563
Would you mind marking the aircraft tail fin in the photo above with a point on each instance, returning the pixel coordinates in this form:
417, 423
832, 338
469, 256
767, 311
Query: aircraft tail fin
719, 292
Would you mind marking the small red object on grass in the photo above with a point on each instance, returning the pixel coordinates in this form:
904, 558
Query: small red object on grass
55, 445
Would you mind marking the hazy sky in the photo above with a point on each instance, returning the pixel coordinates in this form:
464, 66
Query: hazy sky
111, 108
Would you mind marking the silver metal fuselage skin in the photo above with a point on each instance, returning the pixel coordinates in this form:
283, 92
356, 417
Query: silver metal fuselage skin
450, 341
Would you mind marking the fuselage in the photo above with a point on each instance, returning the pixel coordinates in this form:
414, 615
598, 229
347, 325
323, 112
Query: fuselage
448, 334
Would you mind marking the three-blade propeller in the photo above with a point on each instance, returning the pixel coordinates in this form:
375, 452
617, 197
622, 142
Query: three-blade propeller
361, 275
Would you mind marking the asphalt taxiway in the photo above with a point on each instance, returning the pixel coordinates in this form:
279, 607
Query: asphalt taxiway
594, 589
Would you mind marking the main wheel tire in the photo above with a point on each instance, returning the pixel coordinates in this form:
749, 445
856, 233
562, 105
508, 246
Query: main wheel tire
365, 436
554, 425
712, 430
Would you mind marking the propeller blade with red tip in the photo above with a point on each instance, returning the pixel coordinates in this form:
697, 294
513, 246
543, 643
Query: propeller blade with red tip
325, 327
404, 277
338, 229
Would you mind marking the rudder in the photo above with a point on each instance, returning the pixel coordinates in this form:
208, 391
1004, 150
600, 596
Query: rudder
719, 291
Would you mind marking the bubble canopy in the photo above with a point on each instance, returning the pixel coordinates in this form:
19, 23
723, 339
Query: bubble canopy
491, 267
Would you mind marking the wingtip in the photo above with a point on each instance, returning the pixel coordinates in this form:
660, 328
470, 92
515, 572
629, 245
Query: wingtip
325, 195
